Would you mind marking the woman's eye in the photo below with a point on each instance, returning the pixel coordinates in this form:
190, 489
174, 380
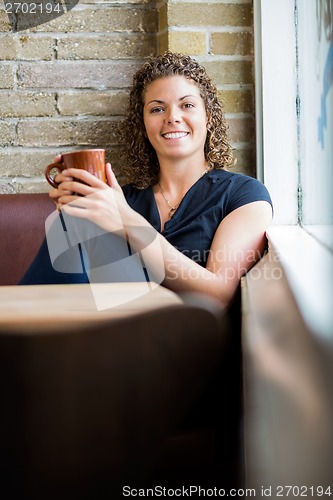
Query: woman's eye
188, 105
156, 110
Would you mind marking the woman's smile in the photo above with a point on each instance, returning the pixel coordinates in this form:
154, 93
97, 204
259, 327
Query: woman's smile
175, 135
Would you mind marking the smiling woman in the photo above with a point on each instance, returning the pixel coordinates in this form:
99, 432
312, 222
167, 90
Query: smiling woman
140, 161
176, 127
179, 194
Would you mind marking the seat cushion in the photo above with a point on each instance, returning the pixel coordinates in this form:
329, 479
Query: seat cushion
22, 229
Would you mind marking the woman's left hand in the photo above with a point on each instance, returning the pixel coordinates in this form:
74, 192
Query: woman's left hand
101, 203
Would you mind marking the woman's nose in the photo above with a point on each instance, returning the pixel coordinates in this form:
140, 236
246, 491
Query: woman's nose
173, 116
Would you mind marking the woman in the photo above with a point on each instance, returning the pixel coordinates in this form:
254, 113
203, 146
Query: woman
209, 224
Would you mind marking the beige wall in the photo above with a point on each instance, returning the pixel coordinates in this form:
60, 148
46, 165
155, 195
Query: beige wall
64, 83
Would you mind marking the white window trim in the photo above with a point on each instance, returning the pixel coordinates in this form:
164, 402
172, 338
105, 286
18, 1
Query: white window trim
308, 267
275, 71
307, 264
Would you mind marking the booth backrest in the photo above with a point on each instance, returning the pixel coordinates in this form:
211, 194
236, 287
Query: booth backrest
22, 229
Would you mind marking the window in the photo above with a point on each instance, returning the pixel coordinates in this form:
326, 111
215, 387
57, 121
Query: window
315, 94
294, 115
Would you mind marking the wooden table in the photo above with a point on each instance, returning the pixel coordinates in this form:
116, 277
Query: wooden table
88, 409
34, 307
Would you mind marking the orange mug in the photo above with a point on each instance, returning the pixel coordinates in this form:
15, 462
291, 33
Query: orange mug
92, 160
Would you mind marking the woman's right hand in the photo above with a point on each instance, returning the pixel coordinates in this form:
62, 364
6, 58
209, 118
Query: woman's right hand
56, 193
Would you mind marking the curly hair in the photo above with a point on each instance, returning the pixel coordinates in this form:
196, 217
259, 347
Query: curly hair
141, 166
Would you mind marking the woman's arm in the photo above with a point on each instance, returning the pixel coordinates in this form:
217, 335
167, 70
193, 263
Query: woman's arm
238, 242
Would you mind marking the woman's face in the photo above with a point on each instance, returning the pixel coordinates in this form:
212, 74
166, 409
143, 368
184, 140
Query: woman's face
175, 118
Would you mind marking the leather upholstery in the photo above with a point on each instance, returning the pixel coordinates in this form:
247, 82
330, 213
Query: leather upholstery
22, 230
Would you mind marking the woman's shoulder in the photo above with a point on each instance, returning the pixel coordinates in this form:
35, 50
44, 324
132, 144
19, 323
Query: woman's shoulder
235, 178
238, 188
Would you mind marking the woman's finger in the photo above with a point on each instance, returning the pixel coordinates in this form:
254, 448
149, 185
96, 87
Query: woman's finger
70, 198
109, 174
60, 177
77, 187
84, 176
57, 159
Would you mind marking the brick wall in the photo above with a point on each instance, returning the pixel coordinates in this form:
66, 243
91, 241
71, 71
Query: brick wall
64, 83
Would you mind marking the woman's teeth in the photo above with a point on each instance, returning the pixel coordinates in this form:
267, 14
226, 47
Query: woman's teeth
175, 135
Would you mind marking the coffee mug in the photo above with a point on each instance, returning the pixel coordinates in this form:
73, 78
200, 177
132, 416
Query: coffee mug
92, 160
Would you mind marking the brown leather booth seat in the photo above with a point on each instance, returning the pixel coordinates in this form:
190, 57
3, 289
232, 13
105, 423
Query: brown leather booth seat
22, 229
204, 449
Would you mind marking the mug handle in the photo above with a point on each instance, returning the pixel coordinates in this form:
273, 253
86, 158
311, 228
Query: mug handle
58, 167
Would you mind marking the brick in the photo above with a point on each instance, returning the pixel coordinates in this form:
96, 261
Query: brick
8, 48
19, 162
4, 22
162, 42
31, 186
103, 21
28, 163
23, 185
237, 101
28, 48
245, 162
7, 133
41, 133
77, 74
20, 104
240, 43
92, 103
230, 72
106, 47
203, 14
193, 43
35, 48
6, 187
163, 17
241, 129
7, 76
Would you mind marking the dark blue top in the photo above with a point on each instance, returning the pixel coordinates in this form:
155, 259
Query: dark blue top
191, 229
215, 195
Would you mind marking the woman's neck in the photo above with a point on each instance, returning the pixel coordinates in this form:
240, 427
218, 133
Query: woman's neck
180, 176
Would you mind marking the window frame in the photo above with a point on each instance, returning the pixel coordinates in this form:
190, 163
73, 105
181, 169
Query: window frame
307, 263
